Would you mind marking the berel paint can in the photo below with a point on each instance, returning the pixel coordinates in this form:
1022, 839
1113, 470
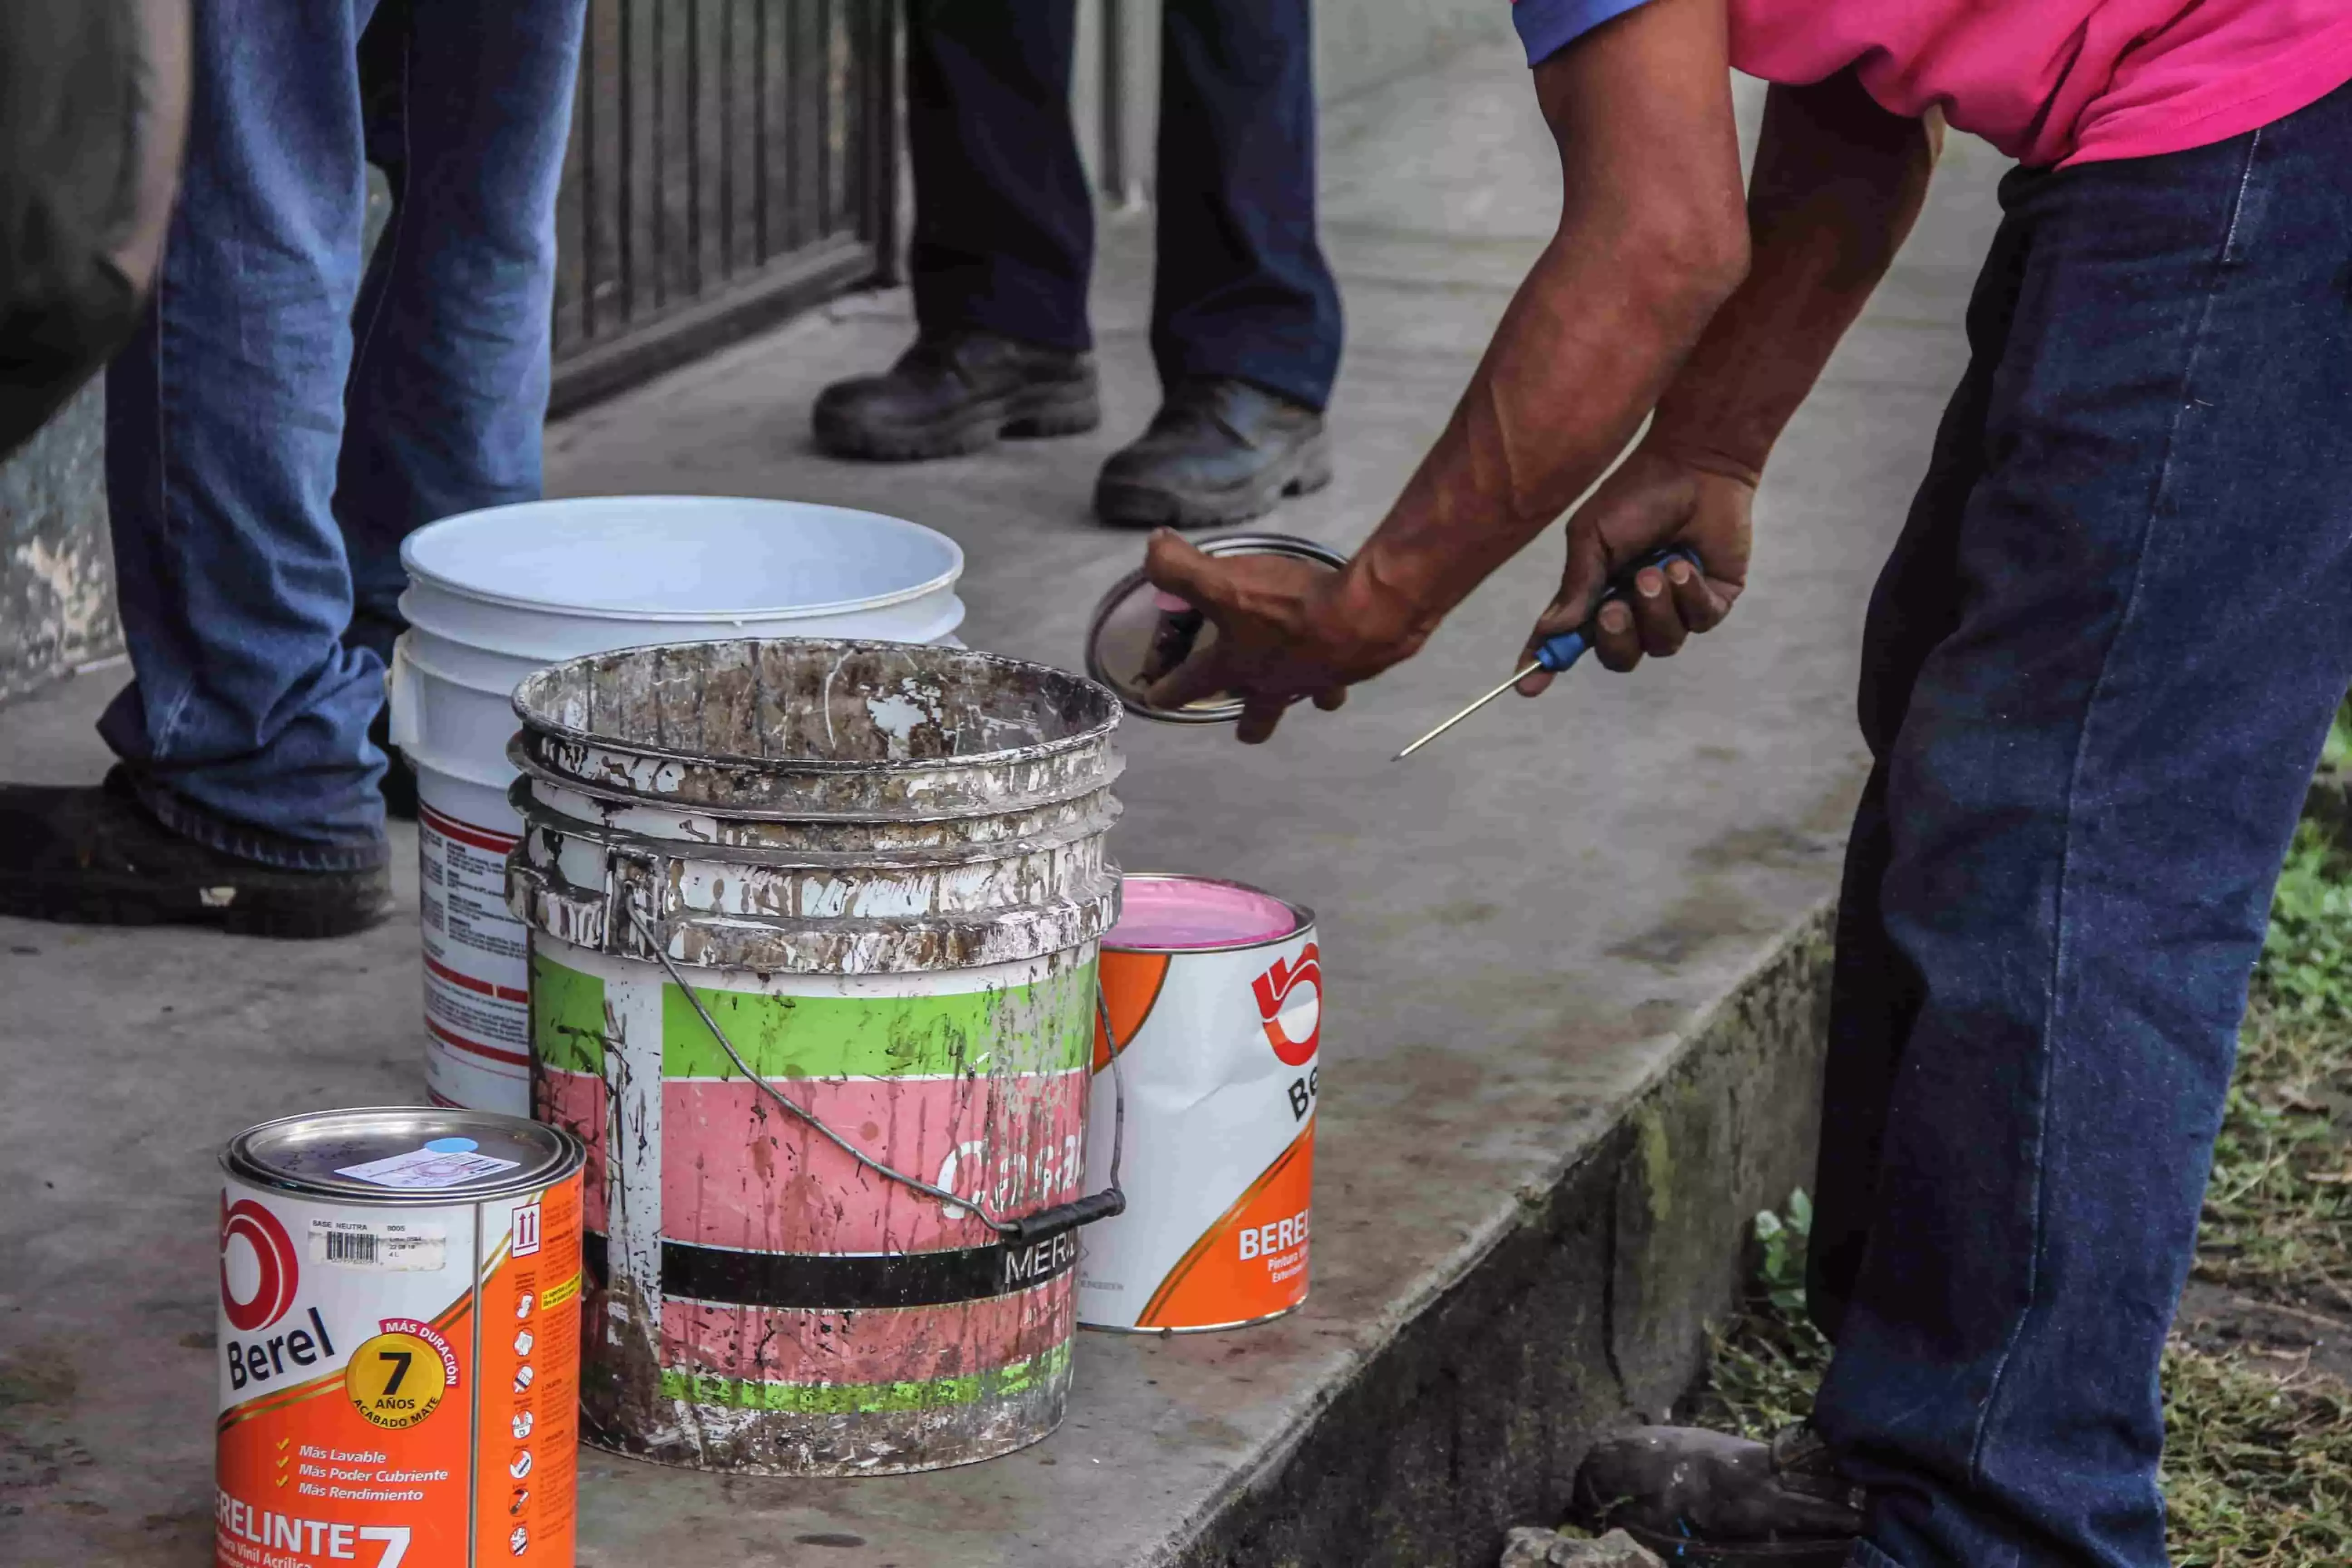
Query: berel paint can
399, 1343
1215, 992
1140, 633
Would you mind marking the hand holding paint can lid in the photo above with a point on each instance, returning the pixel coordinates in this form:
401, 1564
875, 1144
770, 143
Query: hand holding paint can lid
1141, 635
1213, 993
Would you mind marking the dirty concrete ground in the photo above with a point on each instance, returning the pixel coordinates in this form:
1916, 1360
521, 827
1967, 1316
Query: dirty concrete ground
1520, 925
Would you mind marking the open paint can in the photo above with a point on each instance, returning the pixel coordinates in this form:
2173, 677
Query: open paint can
1140, 634
1213, 993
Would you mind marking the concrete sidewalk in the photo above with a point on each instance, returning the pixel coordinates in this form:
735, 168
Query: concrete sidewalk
1573, 955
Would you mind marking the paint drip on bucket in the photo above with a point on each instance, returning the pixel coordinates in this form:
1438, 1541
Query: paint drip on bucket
1215, 994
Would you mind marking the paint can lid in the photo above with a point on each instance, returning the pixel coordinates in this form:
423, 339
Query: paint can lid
1160, 913
1140, 633
411, 1155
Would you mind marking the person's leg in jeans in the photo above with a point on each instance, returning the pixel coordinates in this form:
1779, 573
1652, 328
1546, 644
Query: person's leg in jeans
2100, 679
1245, 324
1003, 248
246, 727
470, 107
245, 736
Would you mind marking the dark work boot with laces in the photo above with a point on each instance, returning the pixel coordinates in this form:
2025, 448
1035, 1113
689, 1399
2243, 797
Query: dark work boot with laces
94, 855
955, 393
1217, 452
1715, 1500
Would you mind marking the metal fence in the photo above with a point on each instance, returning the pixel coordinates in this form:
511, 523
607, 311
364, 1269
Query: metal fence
731, 161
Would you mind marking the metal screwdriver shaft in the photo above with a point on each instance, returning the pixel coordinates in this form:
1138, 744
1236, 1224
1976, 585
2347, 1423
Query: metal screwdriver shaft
1533, 664
1559, 653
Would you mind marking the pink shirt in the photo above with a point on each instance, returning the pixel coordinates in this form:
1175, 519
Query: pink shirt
2056, 82
2047, 81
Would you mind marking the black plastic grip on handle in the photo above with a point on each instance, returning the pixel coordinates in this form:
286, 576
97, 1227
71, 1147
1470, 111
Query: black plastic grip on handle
1028, 1230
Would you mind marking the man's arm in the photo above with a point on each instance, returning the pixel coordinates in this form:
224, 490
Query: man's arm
1650, 246
1837, 183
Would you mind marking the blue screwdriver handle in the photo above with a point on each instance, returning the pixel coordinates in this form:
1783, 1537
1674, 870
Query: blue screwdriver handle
1557, 653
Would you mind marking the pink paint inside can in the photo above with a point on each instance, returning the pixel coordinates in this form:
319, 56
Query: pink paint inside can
1178, 914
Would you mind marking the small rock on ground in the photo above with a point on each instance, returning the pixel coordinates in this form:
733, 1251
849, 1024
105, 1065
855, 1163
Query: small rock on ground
1530, 1547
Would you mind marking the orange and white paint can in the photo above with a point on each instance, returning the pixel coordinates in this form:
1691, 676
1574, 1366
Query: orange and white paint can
1215, 994
399, 1345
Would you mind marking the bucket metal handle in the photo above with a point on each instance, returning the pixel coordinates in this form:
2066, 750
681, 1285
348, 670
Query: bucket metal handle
1022, 1229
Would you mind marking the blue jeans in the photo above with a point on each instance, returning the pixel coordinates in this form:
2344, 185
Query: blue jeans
1004, 233
2097, 673
281, 422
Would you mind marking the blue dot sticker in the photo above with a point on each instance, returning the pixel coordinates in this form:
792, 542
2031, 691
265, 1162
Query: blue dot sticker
452, 1146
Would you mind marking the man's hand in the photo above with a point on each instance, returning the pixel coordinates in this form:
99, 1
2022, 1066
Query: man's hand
1654, 498
1286, 630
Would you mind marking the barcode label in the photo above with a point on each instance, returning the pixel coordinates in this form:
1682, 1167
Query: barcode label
360, 1244
351, 1247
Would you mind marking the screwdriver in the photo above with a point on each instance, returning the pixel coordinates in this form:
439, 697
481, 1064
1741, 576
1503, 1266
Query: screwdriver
1558, 653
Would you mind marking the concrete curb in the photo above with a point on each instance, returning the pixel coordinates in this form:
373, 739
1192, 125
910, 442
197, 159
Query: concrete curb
1586, 1305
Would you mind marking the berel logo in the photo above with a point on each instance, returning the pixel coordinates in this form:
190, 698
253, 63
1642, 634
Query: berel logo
275, 1272
1282, 1021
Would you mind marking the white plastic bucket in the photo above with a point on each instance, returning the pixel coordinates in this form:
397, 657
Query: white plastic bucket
498, 594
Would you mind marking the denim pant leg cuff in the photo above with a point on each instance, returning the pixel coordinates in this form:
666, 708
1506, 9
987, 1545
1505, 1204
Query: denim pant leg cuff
1865, 1555
247, 843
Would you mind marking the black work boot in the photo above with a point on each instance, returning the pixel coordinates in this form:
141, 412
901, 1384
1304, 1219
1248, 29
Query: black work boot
1217, 452
1716, 1500
96, 855
957, 392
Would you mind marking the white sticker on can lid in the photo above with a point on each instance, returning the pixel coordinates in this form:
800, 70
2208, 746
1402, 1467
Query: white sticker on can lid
356, 1244
443, 1162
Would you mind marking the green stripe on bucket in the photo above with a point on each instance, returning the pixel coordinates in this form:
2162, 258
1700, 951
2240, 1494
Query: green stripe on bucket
864, 1398
1047, 1027
567, 1017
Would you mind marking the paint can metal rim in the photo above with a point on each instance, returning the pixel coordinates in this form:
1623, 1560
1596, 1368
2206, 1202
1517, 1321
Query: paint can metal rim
1301, 918
1103, 665
270, 1156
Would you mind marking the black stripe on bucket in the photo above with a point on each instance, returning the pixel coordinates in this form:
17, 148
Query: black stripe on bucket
844, 1281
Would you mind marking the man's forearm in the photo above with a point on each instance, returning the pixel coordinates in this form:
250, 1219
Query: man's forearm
1651, 239
1837, 183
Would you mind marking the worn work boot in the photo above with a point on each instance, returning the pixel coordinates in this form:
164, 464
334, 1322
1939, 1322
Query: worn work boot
1217, 452
957, 392
1716, 1500
96, 855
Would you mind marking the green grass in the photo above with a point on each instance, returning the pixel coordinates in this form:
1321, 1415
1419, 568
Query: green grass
2258, 1465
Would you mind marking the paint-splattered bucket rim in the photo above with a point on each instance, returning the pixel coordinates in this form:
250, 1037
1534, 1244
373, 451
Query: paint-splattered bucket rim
538, 722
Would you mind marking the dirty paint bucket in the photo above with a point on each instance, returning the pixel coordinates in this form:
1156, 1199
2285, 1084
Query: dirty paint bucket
399, 1342
1214, 992
1139, 633
879, 871
496, 594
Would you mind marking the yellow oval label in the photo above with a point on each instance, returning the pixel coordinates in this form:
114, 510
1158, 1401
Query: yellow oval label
395, 1380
